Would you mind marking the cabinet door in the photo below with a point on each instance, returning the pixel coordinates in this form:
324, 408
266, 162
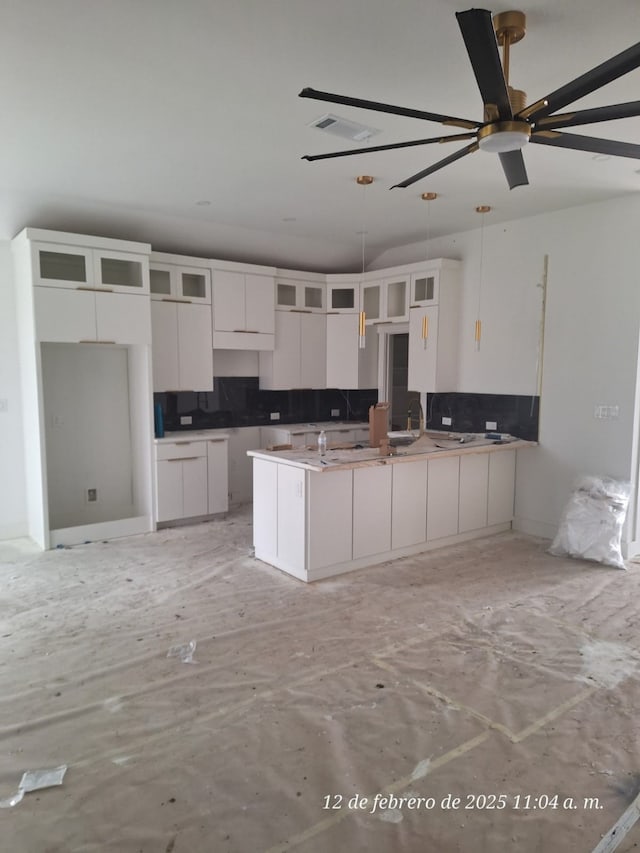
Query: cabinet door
164, 350
396, 299
342, 351
371, 301
194, 284
313, 351
286, 355
217, 475
194, 484
64, 315
195, 347
423, 341
228, 301
425, 288
121, 271
330, 502
169, 497
409, 504
259, 304
371, 510
343, 297
123, 318
474, 479
62, 266
502, 474
442, 497
291, 516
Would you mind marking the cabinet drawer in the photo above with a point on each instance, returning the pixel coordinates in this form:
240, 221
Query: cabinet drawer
181, 450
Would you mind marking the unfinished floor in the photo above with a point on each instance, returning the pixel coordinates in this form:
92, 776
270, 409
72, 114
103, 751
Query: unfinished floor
479, 670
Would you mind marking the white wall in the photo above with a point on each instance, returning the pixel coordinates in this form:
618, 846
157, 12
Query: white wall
13, 511
591, 339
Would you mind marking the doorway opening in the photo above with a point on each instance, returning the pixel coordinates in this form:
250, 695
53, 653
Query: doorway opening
394, 369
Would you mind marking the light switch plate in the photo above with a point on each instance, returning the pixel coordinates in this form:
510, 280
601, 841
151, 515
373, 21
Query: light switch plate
186, 420
446, 422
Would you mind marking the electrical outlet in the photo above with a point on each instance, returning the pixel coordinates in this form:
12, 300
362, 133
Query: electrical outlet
92, 495
446, 421
4, 405
606, 412
275, 416
491, 425
186, 420
335, 413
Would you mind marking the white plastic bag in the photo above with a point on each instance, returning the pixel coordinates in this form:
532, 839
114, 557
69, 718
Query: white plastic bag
592, 521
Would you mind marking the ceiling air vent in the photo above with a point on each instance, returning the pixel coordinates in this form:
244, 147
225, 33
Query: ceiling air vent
344, 128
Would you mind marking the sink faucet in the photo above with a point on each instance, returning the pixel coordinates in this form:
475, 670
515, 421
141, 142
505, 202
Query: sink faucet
420, 416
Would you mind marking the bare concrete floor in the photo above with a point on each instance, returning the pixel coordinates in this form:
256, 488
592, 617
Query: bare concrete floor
491, 689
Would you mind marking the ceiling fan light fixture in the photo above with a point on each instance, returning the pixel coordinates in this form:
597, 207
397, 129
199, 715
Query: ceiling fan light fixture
502, 136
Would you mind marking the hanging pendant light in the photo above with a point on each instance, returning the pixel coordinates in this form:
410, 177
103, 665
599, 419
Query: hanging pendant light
428, 197
363, 181
482, 209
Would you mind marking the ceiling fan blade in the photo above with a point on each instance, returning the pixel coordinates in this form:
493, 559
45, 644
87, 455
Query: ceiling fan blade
479, 37
441, 164
615, 111
586, 143
386, 108
514, 168
389, 147
599, 76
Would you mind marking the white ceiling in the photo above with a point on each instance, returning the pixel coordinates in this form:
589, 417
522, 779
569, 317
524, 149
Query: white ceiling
119, 117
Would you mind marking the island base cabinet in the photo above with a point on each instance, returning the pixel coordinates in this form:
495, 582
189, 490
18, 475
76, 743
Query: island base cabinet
442, 497
291, 515
371, 516
265, 511
409, 504
474, 479
329, 519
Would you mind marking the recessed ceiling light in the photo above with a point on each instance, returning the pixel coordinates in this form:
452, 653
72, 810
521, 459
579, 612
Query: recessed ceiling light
601, 157
203, 203
289, 219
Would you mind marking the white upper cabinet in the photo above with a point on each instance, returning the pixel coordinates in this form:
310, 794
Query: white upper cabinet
298, 360
343, 295
243, 308
350, 366
181, 323
425, 288
300, 294
79, 267
178, 278
386, 300
83, 287
434, 329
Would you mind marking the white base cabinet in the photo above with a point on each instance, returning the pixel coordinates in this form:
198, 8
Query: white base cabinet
314, 524
191, 478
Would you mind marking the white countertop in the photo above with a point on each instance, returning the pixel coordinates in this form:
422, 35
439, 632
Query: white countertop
355, 458
186, 435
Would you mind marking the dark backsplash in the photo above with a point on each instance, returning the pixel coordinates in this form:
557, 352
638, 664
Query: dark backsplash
237, 402
514, 414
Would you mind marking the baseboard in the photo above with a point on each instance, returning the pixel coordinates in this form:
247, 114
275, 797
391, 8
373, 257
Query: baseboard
542, 529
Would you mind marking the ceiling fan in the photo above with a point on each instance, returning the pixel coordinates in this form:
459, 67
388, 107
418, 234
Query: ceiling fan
508, 125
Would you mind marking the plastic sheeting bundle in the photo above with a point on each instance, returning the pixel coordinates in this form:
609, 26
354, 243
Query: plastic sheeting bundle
592, 521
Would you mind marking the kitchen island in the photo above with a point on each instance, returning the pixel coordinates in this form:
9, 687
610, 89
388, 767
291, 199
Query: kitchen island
314, 517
